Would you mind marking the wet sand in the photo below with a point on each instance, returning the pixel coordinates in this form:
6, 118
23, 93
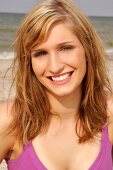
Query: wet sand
5, 79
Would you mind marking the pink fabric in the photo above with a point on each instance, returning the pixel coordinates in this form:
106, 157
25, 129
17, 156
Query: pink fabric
104, 159
28, 159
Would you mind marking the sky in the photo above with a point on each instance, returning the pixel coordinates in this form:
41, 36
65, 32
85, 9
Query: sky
90, 7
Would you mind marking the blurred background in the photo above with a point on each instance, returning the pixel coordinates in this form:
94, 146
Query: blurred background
12, 13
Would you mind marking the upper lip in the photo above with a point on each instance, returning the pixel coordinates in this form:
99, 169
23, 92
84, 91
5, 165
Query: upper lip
58, 75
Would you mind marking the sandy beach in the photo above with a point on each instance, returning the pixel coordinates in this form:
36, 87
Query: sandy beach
5, 78
6, 82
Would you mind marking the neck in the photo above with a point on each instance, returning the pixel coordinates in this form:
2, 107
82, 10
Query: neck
67, 107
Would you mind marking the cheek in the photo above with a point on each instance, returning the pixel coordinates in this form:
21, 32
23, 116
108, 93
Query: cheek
37, 68
77, 57
77, 61
82, 60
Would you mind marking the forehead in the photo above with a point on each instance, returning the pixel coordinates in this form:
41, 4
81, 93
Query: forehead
59, 33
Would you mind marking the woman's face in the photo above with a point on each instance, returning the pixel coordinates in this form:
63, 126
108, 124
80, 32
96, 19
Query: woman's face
59, 62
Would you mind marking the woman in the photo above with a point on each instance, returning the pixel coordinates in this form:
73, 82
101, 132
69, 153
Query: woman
62, 113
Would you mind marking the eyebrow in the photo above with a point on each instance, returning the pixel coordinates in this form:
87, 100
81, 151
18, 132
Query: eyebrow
58, 45
63, 43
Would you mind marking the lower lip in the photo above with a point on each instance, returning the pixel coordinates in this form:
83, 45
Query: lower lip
62, 82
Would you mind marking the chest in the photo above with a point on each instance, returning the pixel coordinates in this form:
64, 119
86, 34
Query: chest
63, 152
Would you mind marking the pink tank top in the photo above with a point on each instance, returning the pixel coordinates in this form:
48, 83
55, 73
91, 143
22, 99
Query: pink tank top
28, 159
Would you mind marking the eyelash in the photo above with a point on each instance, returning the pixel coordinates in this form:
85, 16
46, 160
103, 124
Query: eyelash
43, 53
40, 53
67, 48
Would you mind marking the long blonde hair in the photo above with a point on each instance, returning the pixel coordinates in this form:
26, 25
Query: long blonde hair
31, 107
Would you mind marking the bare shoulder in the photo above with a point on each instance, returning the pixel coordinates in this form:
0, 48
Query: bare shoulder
6, 140
5, 113
110, 116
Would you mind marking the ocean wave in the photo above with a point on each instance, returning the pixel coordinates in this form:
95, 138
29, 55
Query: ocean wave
6, 55
109, 51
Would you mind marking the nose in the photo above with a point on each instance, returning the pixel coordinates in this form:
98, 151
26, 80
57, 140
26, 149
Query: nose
55, 64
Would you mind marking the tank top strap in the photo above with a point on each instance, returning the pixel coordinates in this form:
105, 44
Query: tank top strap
34, 157
104, 155
105, 136
106, 143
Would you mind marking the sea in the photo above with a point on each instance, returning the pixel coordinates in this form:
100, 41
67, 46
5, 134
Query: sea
9, 24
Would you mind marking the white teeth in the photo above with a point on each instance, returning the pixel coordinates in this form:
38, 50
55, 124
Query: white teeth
61, 78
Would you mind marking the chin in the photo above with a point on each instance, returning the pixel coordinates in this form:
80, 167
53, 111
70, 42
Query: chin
62, 92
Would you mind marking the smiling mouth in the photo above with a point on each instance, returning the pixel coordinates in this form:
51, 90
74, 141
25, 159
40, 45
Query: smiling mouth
60, 78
